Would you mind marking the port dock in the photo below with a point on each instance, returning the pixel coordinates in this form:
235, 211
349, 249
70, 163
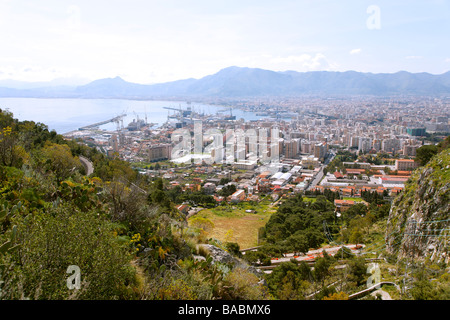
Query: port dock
98, 124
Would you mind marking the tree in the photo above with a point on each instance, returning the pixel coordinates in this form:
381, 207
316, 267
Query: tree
202, 223
359, 209
11, 153
422, 290
291, 287
356, 236
444, 144
227, 190
288, 279
298, 243
51, 241
224, 181
315, 237
60, 160
425, 153
158, 184
357, 270
322, 269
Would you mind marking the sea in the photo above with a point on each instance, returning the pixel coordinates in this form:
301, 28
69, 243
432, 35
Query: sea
67, 115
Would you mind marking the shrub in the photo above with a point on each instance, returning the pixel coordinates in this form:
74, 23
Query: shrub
52, 241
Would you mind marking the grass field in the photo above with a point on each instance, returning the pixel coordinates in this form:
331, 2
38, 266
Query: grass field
353, 199
307, 199
233, 224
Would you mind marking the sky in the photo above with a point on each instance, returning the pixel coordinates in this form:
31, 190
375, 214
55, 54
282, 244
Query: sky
154, 41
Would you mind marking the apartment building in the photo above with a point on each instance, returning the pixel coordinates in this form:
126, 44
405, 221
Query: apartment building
238, 196
405, 165
159, 152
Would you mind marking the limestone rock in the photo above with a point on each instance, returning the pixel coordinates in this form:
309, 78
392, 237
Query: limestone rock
419, 219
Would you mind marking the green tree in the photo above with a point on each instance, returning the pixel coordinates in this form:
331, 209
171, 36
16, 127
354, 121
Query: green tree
287, 278
60, 160
322, 269
200, 222
227, 190
298, 243
425, 153
356, 236
11, 153
357, 270
52, 241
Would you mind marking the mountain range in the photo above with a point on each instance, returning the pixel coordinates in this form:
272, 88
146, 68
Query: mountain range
236, 82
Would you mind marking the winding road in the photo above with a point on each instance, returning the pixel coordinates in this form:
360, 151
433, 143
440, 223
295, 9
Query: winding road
87, 164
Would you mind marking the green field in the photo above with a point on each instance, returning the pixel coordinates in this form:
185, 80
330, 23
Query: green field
233, 224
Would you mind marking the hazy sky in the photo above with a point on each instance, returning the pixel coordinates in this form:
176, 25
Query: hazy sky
148, 41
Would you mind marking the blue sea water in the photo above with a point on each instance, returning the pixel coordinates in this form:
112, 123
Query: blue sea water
65, 115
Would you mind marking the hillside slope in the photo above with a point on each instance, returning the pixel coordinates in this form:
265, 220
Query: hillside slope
419, 219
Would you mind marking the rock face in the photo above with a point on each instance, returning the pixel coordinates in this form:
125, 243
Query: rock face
222, 256
418, 224
219, 255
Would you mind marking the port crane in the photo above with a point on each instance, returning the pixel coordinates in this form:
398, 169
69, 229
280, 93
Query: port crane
231, 117
182, 113
185, 113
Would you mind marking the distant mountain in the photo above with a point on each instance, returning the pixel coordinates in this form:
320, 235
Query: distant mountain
110, 88
233, 82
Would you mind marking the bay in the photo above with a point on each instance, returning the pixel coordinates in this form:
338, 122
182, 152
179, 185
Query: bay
66, 115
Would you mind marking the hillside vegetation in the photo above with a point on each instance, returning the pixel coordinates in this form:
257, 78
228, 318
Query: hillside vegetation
118, 228
121, 231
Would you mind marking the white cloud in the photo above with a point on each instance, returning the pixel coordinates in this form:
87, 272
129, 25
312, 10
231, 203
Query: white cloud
356, 51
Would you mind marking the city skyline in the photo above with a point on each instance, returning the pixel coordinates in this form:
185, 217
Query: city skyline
161, 41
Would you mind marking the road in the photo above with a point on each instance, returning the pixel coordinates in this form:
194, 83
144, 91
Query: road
377, 286
87, 164
319, 175
316, 179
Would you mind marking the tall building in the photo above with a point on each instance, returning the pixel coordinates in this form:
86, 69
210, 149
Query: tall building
377, 145
410, 150
114, 143
292, 148
416, 132
390, 145
159, 152
320, 150
405, 165
306, 147
365, 144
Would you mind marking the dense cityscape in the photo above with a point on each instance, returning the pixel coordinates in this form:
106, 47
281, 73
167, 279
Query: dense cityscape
381, 135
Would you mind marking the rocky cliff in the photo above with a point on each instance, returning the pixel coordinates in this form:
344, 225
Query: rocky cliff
419, 222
